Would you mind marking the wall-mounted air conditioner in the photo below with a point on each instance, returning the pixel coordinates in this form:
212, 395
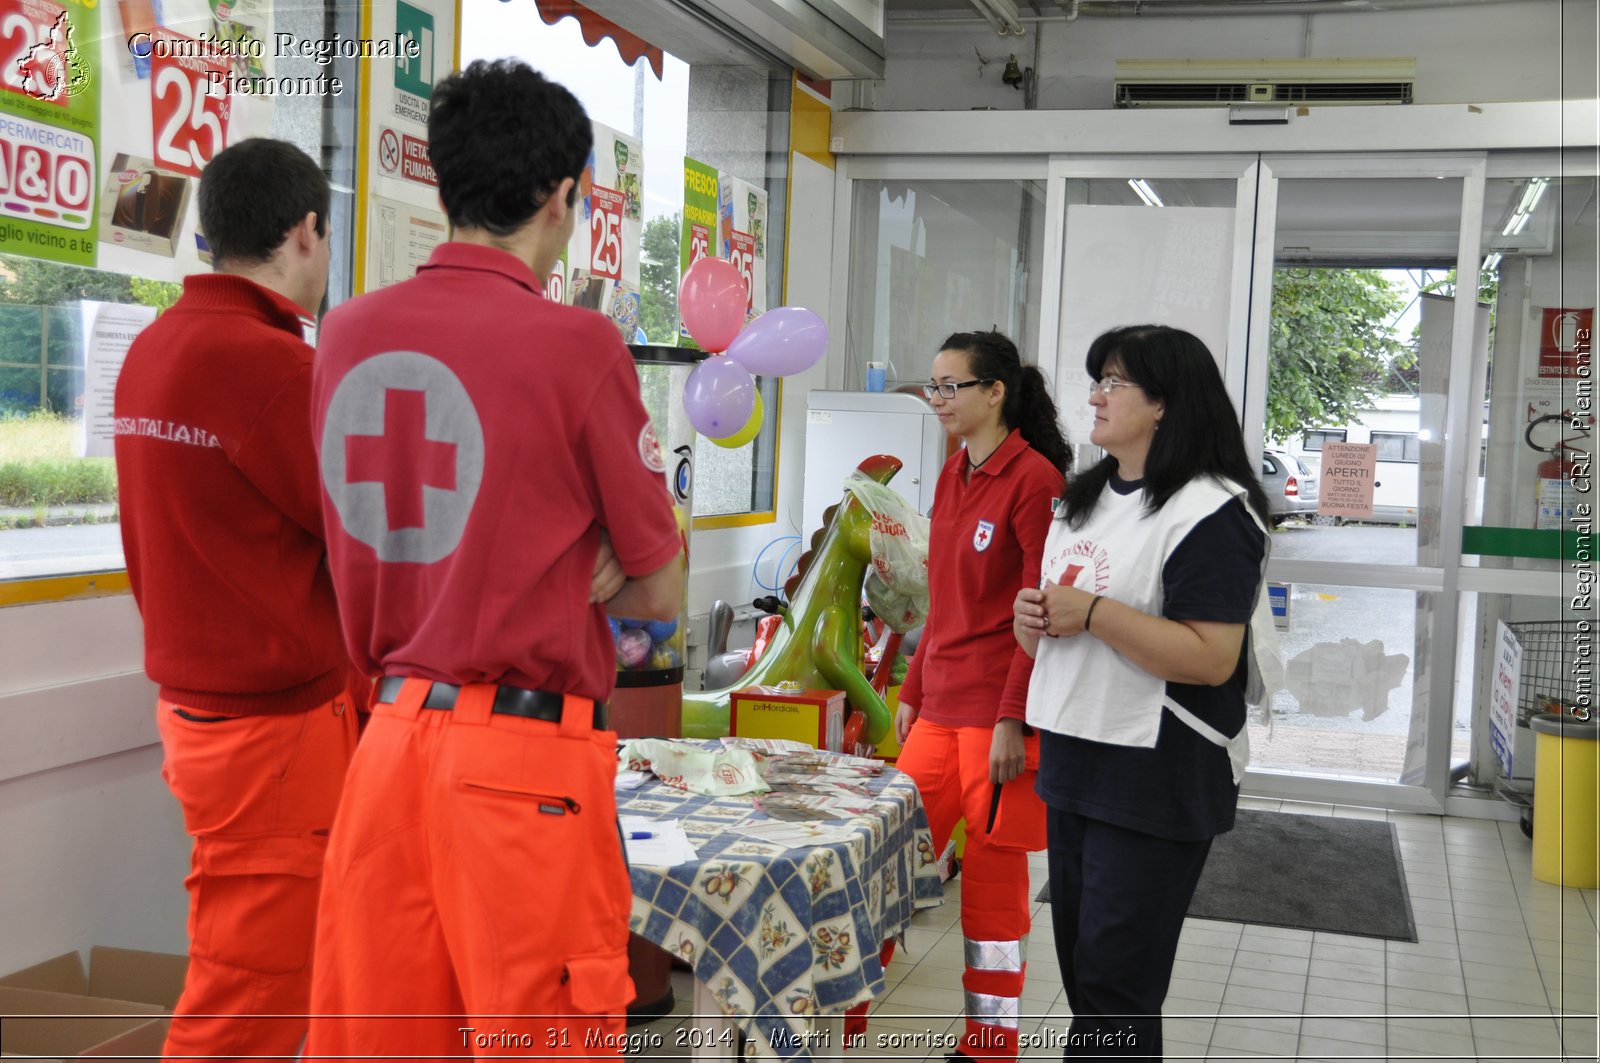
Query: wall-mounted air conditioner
1283, 82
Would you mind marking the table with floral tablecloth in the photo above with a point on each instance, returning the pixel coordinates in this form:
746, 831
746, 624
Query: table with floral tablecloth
781, 936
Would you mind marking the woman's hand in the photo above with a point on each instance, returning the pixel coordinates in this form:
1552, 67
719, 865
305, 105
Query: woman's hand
904, 717
1064, 609
1006, 751
1028, 612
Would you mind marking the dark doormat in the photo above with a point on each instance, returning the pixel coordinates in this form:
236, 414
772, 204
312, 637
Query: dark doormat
1308, 873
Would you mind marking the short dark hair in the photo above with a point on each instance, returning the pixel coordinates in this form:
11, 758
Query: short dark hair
253, 193
501, 137
1199, 434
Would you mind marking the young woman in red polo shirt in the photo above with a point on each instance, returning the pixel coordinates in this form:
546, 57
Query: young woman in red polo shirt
960, 721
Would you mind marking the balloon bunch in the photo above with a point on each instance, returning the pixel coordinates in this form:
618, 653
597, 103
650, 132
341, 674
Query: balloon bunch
720, 395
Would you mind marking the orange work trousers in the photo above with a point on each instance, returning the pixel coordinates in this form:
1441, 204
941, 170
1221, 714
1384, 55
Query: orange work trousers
476, 898
951, 768
258, 795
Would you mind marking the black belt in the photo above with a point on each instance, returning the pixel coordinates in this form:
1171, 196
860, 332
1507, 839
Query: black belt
508, 700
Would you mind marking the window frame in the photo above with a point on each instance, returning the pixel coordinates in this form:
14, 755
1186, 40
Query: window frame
1409, 444
1323, 437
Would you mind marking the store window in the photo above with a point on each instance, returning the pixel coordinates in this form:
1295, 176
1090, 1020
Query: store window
58, 491
929, 258
63, 324
729, 116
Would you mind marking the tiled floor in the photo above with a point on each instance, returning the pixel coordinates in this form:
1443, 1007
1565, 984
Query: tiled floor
1505, 968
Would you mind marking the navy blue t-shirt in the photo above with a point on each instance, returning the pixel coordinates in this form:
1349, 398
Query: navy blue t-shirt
1183, 787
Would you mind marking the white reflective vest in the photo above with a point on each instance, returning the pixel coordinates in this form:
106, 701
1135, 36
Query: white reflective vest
1082, 687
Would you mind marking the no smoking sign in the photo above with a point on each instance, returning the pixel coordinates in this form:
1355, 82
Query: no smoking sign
388, 151
404, 156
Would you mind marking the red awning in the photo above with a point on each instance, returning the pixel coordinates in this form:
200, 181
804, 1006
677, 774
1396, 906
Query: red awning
597, 28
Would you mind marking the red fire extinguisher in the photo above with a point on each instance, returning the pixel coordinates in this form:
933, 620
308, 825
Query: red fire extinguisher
1554, 494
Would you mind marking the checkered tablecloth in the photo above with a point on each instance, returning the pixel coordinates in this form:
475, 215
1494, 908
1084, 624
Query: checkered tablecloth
778, 935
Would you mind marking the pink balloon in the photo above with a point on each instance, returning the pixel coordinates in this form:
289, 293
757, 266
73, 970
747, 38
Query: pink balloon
712, 301
784, 340
718, 397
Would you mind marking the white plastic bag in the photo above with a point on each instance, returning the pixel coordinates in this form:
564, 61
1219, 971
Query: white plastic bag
685, 766
899, 576
901, 612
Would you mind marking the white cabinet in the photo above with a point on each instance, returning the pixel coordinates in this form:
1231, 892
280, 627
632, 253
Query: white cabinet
843, 427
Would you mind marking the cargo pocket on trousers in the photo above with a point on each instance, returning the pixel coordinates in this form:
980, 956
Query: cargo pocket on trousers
255, 902
598, 983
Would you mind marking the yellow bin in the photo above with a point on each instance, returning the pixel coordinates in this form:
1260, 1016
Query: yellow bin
1566, 800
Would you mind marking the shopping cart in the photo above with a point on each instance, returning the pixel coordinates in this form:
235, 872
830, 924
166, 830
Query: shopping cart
1544, 687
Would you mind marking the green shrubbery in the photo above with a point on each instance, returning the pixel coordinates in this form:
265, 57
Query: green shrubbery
39, 466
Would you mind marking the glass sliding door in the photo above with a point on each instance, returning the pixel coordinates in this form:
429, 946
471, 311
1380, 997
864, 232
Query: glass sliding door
1524, 546
1362, 363
1418, 437
956, 249
1143, 241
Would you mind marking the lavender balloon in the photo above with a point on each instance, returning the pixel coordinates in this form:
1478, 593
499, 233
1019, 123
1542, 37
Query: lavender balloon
718, 397
784, 340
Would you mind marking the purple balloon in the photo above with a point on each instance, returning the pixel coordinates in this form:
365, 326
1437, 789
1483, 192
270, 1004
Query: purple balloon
718, 397
784, 340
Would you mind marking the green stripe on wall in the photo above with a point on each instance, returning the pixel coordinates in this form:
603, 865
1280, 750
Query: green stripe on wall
1526, 542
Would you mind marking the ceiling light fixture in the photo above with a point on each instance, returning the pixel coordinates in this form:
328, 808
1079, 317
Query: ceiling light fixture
1531, 194
1142, 189
1002, 15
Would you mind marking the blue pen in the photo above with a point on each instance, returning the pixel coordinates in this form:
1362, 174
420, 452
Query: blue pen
640, 835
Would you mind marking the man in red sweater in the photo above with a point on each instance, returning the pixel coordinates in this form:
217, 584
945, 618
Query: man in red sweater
222, 528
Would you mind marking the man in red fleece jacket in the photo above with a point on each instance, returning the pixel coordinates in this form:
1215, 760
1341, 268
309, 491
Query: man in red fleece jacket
222, 528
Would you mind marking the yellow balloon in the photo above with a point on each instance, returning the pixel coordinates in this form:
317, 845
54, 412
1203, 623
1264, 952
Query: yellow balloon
748, 432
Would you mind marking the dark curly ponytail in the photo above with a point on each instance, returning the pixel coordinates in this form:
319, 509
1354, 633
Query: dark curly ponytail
1028, 406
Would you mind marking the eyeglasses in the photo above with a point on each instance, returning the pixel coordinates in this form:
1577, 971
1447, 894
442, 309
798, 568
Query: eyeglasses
948, 391
1107, 385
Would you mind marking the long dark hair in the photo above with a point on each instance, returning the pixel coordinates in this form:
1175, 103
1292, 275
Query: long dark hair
1028, 406
1199, 430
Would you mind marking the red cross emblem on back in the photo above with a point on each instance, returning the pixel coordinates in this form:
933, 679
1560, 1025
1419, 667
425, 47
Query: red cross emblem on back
404, 460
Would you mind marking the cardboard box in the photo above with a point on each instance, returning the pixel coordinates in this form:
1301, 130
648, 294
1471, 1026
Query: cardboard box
114, 1008
112, 974
143, 207
815, 717
46, 1025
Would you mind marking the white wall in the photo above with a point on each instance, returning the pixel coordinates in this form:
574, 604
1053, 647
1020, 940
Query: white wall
1473, 53
94, 845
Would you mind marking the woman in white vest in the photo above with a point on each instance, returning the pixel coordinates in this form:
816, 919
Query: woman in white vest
1151, 573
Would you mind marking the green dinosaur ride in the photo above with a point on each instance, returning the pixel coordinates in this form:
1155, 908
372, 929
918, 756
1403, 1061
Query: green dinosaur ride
818, 643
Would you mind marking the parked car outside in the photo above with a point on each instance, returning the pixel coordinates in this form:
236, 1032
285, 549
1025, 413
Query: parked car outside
1290, 485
